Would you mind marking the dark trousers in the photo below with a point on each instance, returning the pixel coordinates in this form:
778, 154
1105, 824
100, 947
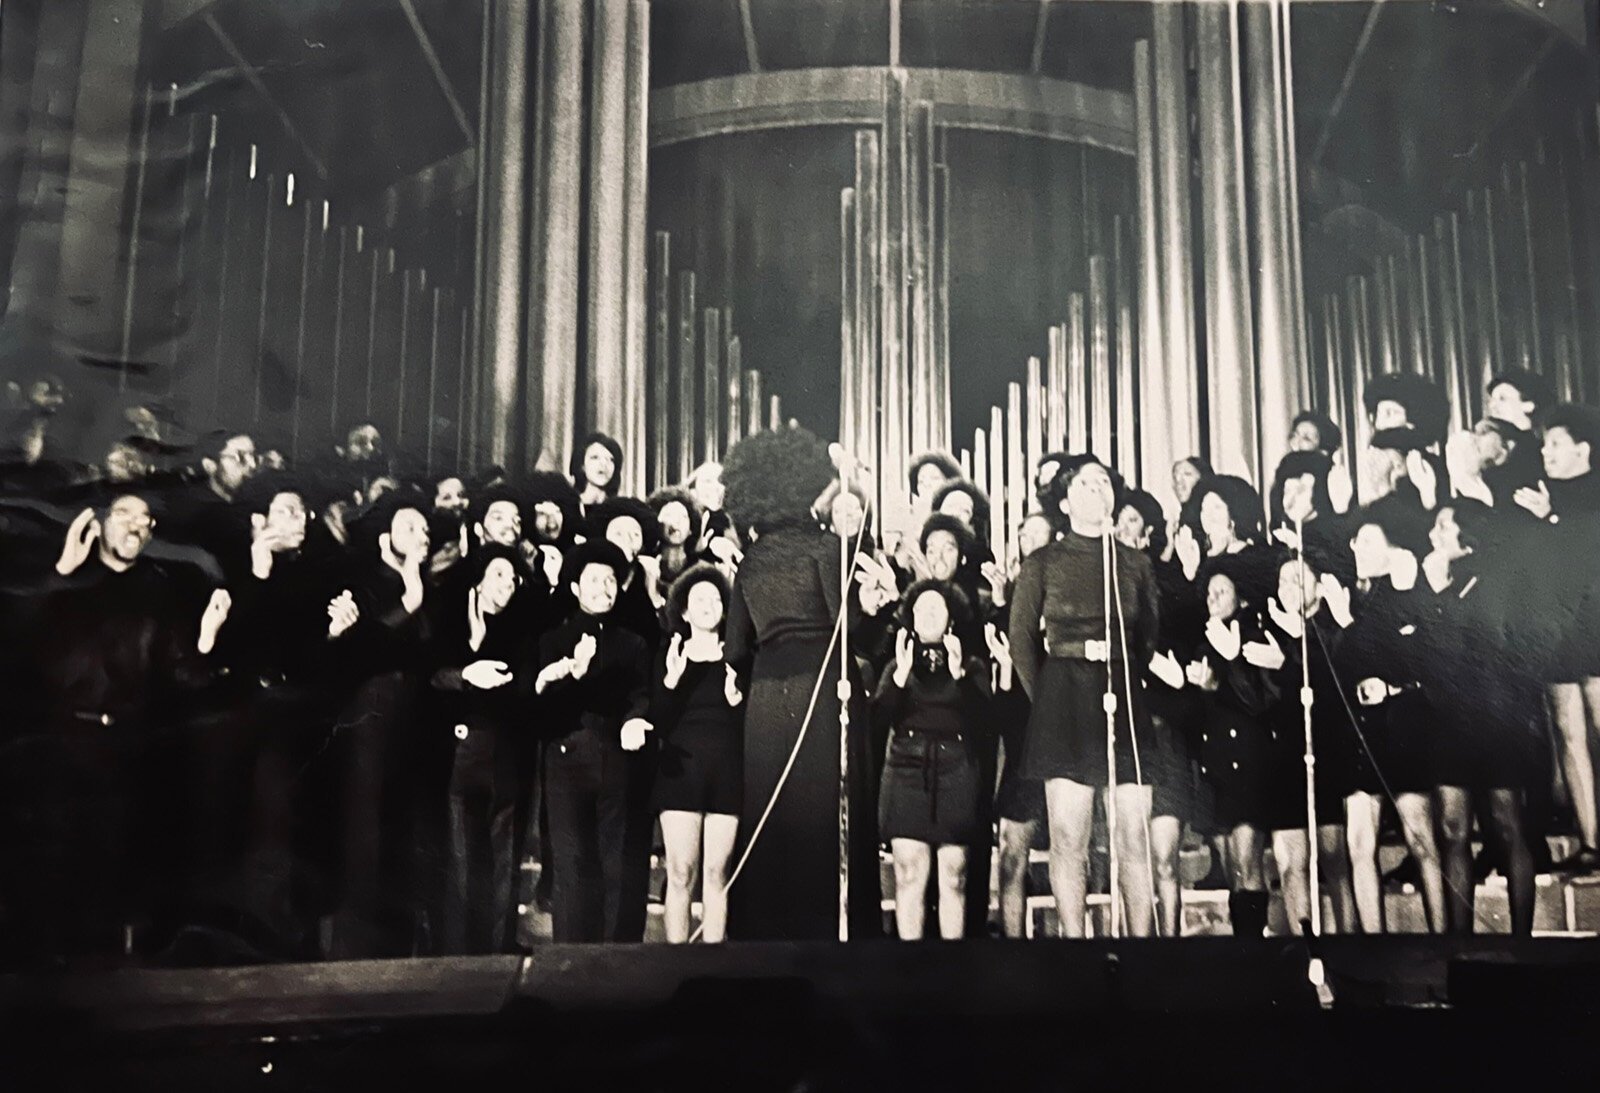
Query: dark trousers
482, 820
365, 798
587, 795
72, 844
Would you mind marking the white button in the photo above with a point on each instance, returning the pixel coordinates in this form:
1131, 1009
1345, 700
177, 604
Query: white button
461, 732
1202, 768
1233, 733
1235, 764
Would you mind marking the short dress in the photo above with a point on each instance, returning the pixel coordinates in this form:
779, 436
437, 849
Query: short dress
1058, 608
931, 774
701, 764
1236, 738
1396, 746
1335, 745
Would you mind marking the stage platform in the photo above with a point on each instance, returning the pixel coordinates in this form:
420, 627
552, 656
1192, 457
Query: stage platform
633, 1016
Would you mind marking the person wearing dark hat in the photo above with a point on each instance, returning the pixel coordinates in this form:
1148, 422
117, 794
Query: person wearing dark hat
1381, 659
482, 663
370, 784
596, 470
1504, 453
594, 680
1060, 647
629, 525
697, 707
1396, 463
932, 698
1235, 743
268, 713
83, 798
787, 600
1405, 401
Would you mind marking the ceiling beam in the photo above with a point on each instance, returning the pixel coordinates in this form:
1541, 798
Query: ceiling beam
446, 88
1349, 80
1040, 28
748, 24
894, 33
252, 76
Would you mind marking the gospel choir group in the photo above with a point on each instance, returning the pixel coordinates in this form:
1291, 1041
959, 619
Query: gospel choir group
268, 711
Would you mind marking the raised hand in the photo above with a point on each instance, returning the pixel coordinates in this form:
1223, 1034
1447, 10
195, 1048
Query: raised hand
583, 655
342, 613
1536, 501
1337, 597
1424, 477
1286, 621
1341, 490
211, 620
905, 655
952, 656
1224, 638
486, 675
82, 533
730, 686
1187, 548
652, 572
550, 562
677, 661
997, 582
1288, 537
1266, 654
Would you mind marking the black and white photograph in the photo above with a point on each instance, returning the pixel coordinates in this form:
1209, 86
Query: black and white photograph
799, 545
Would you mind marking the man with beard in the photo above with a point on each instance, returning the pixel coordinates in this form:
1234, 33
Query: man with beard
78, 795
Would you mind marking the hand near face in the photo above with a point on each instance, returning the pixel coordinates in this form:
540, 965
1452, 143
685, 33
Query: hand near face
342, 613
1536, 501
81, 536
952, 656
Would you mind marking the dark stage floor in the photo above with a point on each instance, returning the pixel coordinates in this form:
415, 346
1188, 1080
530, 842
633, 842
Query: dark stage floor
992, 1015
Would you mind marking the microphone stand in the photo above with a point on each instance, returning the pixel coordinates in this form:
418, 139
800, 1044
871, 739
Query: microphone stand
845, 560
1109, 703
1314, 888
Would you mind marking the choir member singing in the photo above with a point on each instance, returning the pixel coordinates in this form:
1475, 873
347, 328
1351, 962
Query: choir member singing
697, 710
1069, 656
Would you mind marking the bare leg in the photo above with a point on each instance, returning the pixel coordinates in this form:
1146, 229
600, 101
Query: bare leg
1506, 813
912, 862
1361, 835
722, 831
1134, 872
680, 831
1245, 844
1416, 820
1294, 872
952, 892
1166, 839
1567, 700
1071, 810
1455, 839
1333, 858
1016, 840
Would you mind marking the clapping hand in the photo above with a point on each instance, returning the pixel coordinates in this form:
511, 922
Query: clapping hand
1166, 668
1266, 654
1224, 638
997, 582
905, 655
342, 613
583, 655
1200, 674
1424, 477
730, 686
1287, 622
1188, 551
1289, 537
486, 675
1340, 488
1536, 501
215, 614
1371, 691
677, 661
952, 656
80, 539
1337, 597
633, 733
